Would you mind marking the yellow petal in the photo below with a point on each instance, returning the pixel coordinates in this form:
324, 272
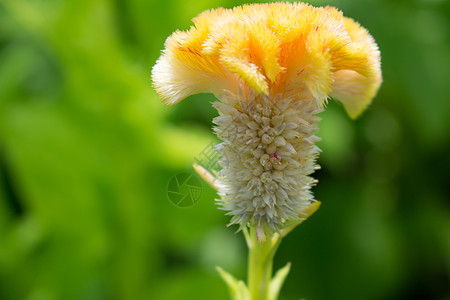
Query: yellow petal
246, 46
354, 90
234, 47
357, 75
182, 70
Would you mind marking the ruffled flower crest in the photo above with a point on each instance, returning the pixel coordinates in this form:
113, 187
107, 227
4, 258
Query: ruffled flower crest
295, 50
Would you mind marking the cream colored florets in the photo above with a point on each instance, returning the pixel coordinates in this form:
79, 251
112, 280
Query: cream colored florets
268, 153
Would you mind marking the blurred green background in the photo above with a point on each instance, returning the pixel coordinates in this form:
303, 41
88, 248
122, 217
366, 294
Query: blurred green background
87, 150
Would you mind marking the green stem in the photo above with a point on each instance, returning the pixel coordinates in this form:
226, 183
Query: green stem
260, 264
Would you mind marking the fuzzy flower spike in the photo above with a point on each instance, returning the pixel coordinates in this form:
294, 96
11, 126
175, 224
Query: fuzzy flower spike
272, 67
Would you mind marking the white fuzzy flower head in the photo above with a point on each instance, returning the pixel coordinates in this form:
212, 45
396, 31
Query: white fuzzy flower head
268, 153
272, 67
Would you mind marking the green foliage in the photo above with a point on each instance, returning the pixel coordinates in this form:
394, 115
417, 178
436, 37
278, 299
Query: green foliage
87, 150
238, 289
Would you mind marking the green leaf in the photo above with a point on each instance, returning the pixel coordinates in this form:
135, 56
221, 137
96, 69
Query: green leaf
238, 289
294, 222
277, 281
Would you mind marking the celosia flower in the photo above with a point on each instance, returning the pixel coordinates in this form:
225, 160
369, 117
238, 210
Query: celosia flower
272, 67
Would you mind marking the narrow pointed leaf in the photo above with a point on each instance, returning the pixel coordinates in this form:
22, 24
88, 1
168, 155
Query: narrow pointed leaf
238, 289
277, 282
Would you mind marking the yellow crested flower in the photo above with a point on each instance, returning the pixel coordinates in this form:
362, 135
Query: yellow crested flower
273, 67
